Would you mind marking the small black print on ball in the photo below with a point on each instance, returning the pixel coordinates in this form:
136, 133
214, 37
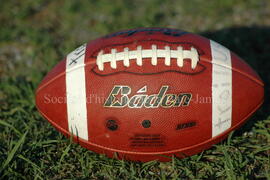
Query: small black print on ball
185, 125
112, 125
146, 123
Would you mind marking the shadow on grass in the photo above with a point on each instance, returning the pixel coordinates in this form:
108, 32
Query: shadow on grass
253, 45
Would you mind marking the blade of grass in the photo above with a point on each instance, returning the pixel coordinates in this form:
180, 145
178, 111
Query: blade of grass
14, 150
11, 127
64, 154
228, 164
31, 163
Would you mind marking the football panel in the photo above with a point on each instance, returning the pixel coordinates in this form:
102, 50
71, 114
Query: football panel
240, 66
57, 71
51, 102
246, 97
164, 122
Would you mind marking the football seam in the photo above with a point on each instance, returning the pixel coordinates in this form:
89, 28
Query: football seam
201, 59
63, 131
159, 72
200, 52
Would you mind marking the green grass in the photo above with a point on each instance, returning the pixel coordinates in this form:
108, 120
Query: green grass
35, 35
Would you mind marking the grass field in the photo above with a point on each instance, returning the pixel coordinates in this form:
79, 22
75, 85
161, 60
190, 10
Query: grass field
36, 34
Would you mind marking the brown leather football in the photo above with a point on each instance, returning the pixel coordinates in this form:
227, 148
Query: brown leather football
149, 93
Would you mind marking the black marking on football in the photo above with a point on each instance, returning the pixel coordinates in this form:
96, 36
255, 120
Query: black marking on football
146, 123
112, 125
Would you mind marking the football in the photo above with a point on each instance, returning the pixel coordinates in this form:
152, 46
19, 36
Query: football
149, 94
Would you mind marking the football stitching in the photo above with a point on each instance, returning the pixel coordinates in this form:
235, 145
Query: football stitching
153, 73
139, 54
201, 52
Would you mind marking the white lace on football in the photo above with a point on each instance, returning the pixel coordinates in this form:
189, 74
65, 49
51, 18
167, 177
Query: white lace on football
139, 54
